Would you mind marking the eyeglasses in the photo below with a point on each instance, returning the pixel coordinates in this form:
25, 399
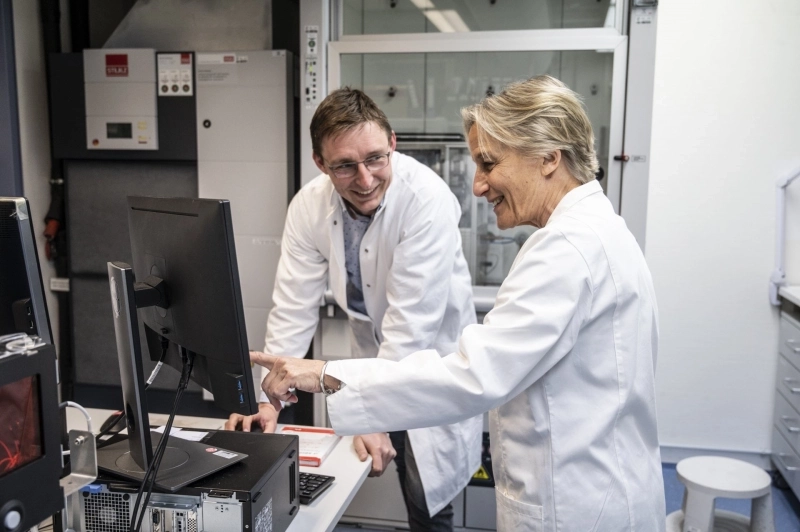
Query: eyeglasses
373, 164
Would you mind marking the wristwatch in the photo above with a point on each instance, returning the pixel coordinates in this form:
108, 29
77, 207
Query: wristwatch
327, 391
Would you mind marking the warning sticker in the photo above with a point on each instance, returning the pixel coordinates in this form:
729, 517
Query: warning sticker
226, 454
216, 59
481, 474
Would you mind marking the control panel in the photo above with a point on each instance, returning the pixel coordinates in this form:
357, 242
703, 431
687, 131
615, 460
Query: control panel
119, 87
311, 67
175, 74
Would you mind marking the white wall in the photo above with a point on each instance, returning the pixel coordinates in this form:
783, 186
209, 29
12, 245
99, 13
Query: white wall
726, 125
34, 131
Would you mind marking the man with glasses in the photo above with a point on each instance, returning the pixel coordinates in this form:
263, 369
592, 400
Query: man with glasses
380, 230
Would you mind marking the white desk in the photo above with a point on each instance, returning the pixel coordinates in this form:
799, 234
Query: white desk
323, 513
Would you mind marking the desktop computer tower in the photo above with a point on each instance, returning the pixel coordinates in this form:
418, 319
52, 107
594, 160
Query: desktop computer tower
258, 494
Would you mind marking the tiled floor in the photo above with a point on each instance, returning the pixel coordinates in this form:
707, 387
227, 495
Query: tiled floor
787, 507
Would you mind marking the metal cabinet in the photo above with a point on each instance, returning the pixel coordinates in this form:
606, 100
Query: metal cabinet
786, 431
245, 153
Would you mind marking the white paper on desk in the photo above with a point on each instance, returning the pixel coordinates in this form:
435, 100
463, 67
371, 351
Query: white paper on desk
190, 435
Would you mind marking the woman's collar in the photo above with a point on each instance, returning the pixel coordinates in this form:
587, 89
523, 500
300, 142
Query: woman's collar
574, 196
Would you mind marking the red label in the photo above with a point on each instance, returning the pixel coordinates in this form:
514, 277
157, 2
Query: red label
117, 65
229, 59
186, 59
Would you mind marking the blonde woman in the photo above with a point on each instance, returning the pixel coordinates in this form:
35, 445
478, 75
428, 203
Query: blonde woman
564, 362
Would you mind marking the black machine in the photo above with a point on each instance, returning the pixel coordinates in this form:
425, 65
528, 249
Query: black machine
259, 493
30, 448
189, 299
23, 308
30, 452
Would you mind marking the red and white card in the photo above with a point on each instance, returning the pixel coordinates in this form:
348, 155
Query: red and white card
315, 443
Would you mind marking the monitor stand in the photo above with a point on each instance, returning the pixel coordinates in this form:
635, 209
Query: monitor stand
184, 461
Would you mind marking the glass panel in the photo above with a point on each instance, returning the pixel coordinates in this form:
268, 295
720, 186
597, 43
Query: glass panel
20, 417
369, 17
395, 82
489, 251
424, 93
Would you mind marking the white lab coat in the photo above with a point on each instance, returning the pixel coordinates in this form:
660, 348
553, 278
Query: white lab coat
565, 361
417, 292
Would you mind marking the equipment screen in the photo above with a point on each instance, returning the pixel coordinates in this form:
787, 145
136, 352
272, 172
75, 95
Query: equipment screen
119, 130
20, 424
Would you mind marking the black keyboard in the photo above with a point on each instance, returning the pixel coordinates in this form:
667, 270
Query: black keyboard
312, 485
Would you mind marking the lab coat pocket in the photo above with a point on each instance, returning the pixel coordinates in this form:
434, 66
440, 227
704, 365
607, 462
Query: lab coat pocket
517, 516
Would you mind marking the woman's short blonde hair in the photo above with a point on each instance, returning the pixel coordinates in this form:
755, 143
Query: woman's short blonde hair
536, 117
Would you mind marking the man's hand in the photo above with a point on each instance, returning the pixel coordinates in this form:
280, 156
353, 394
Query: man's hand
266, 420
287, 374
377, 445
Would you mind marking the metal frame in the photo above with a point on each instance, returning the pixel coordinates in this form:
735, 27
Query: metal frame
638, 120
312, 13
32, 268
337, 23
10, 157
597, 39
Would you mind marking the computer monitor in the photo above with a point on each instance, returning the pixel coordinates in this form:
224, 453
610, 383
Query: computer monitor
184, 286
23, 307
189, 244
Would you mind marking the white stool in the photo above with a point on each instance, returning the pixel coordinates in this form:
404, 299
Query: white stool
709, 477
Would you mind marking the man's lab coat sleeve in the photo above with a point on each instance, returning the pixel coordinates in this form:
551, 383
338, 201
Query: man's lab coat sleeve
538, 314
418, 284
299, 285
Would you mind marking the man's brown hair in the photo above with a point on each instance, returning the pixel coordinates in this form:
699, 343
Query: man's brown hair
341, 111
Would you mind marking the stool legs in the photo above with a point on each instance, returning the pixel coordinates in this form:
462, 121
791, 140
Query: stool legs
762, 519
699, 512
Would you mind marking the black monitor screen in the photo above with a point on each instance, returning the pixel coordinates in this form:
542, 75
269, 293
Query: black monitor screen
13, 276
119, 130
20, 424
189, 244
22, 304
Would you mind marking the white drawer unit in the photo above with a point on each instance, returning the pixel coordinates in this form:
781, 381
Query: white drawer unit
786, 460
786, 433
787, 420
790, 339
788, 382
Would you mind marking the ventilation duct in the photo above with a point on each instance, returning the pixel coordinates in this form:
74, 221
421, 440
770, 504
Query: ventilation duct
205, 25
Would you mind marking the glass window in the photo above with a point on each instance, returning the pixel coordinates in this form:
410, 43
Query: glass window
369, 17
424, 93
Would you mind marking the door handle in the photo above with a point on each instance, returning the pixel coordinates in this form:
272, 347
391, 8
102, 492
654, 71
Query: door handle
790, 428
782, 463
788, 382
